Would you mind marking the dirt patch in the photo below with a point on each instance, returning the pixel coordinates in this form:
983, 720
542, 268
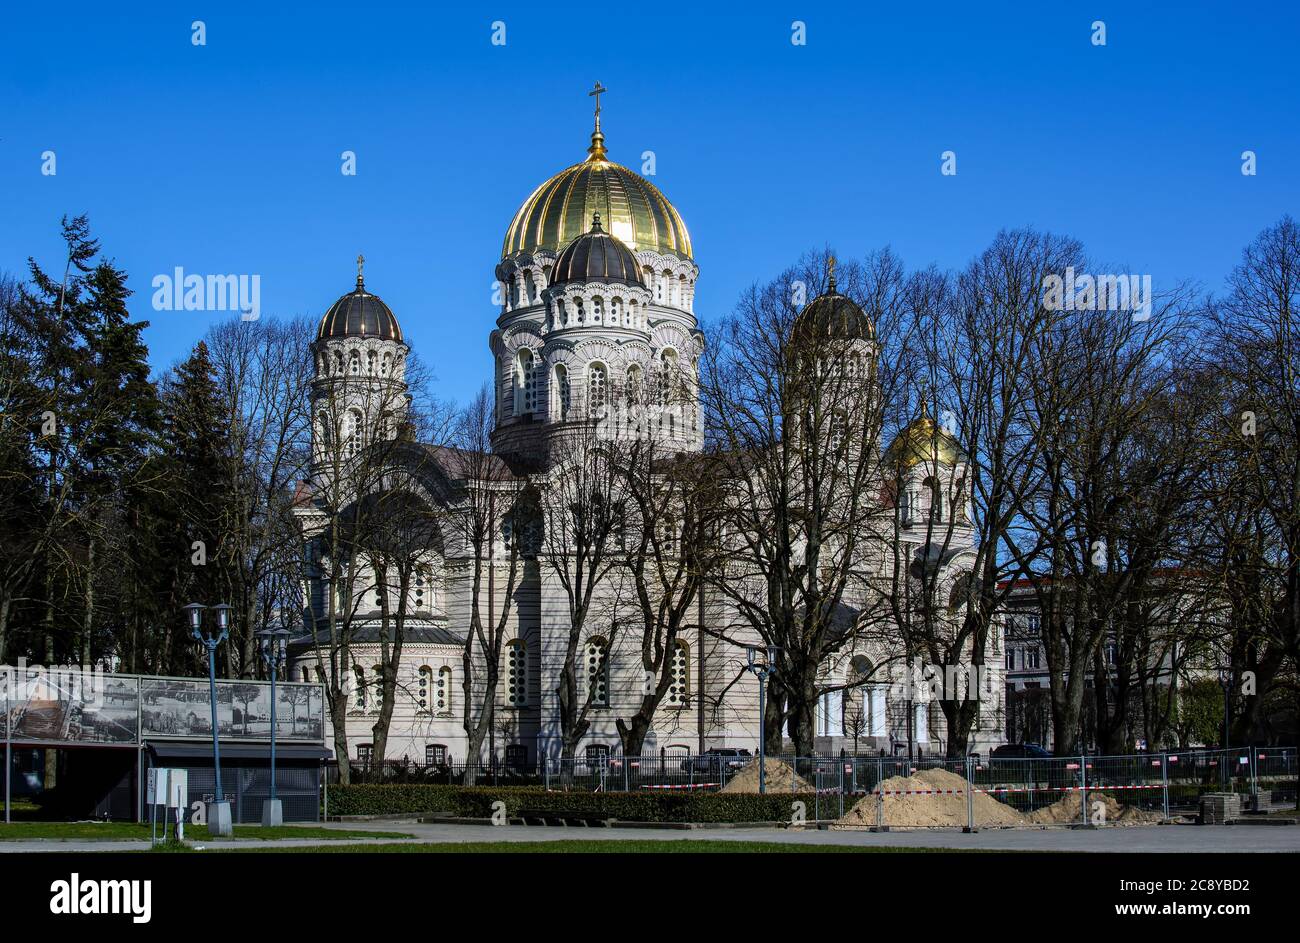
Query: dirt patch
1066, 811
778, 775
930, 811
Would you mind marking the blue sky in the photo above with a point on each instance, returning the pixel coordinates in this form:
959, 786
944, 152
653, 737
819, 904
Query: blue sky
225, 158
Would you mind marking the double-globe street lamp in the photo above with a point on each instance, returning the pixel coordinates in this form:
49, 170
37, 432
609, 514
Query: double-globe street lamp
762, 670
219, 823
272, 650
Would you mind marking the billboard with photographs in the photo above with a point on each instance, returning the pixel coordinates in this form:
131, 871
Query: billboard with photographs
76, 706
70, 706
181, 709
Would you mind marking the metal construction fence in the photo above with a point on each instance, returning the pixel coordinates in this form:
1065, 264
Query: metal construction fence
973, 791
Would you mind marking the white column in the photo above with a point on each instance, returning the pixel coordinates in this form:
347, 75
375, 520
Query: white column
922, 730
876, 710
835, 713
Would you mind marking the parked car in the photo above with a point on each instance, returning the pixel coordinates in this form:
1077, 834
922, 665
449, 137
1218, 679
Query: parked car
712, 760
1027, 751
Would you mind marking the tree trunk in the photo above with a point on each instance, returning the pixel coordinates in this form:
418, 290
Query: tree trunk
338, 700
774, 717
802, 703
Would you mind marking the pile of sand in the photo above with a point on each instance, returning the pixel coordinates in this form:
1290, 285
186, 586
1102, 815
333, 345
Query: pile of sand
930, 811
1066, 811
779, 776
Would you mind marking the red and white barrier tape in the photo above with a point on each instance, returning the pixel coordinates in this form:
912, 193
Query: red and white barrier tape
1066, 788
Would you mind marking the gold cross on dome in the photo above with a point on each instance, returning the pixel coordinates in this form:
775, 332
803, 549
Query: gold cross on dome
361, 264
597, 92
830, 266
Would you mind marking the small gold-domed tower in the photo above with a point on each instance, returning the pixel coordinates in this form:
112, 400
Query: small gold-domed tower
930, 469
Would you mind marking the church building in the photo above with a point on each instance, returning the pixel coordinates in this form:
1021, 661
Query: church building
597, 304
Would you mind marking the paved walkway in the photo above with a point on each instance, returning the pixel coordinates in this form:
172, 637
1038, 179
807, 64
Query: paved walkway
1172, 839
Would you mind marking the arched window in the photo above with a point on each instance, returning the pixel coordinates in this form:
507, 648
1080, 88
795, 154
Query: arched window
958, 596
386, 365
598, 309
635, 385
424, 689
666, 386
342, 592
359, 699
616, 312
516, 673
420, 586
667, 534
911, 506
442, 692
338, 362
354, 362
679, 688
936, 499
372, 362
597, 664
525, 383
351, 433
560, 395
597, 387
839, 428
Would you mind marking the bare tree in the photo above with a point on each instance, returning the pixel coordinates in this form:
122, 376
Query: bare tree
498, 518
367, 460
1094, 388
668, 547
1252, 358
582, 505
795, 402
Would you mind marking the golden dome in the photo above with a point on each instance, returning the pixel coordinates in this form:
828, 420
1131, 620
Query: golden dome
922, 442
634, 210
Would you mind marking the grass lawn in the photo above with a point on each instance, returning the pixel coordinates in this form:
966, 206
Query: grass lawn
597, 846
120, 831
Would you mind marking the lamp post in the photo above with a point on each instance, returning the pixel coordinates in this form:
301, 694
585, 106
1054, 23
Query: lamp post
1225, 679
219, 823
761, 671
272, 652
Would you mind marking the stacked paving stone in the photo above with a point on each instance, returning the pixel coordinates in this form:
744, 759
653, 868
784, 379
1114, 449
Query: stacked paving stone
1220, 808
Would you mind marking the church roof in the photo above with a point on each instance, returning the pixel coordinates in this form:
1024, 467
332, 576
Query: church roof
360, 314
923, 442
633, 208
596, 256
367, 630
832, 316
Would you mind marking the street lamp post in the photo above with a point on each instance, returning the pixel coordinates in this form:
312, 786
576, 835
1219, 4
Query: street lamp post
272, 651
762, 671
1225, 679
219, 823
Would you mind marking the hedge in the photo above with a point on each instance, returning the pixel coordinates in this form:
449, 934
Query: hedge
477, 801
